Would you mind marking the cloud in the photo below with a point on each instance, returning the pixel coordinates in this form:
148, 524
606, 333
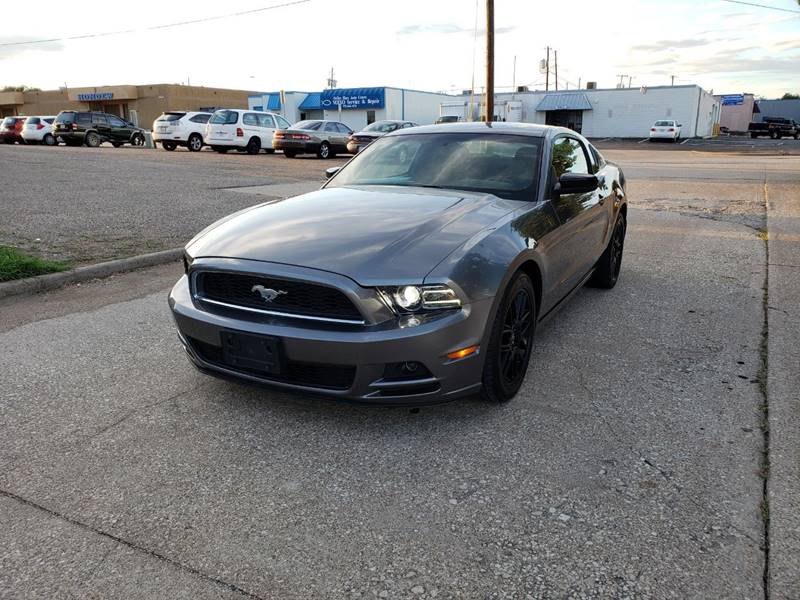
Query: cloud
669, 44
447, 28
9, 51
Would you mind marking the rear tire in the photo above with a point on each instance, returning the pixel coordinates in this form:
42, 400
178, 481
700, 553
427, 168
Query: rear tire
606, 271
289, 153
49, 140
508, 351
324, 150
195, 143
93, 140
169, 146
253, 146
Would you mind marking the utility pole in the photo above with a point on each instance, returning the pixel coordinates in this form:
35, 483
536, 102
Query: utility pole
579, 83
621, 80
671, 80
555, 58
630, 78
331, 80
489, 61
514, 78
547, 71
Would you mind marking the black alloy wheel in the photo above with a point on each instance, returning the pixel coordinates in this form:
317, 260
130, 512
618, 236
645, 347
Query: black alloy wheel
607, 269
511, 341
195, 143
253, 145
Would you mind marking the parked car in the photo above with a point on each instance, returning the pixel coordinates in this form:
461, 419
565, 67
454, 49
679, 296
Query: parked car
417, 274
666, 130
774, 127
449, 119
244, 130
323, 138
181, 128
11, 130
93, 128
370, 133
39, 130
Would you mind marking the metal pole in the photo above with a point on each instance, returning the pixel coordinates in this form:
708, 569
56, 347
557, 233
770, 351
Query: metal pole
514, 78
555, 58
547, 71
489, 60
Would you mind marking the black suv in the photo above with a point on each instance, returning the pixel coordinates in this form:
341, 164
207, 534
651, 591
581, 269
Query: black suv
94, 128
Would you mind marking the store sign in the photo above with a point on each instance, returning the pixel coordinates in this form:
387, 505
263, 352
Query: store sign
732, 99
370, 98
95, 96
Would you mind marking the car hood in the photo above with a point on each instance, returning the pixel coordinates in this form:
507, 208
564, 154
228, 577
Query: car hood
374, 235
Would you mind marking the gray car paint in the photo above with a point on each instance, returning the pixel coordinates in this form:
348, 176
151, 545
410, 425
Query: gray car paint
390, 235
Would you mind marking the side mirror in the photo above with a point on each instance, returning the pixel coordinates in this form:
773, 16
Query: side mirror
331, 171
576, 183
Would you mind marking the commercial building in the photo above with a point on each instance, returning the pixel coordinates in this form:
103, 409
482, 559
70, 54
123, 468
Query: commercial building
787, 109
601, 113
736, 111
356, 107
138, 103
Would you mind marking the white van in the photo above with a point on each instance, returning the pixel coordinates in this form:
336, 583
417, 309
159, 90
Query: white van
242, 130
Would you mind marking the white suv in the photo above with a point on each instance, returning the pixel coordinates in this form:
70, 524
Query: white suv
180, 128
242, 130
39, 130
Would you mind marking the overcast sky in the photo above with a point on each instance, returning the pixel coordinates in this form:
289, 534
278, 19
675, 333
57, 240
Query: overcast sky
419, 44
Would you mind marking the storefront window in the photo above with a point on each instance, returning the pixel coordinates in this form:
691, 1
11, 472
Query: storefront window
370, 117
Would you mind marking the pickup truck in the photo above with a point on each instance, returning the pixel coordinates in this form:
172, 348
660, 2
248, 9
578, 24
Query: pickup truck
775, 127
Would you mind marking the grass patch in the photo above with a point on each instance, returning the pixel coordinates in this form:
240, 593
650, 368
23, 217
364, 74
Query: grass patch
17, 265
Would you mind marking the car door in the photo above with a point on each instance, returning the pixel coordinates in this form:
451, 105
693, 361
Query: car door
345, 132
266, 129
119, 129
332, 135
582, 216
101, 126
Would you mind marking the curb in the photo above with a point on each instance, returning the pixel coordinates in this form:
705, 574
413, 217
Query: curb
51, 281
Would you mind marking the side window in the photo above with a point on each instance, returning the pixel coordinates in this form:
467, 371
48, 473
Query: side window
200, 118
344, 128
83, 118
116, 121
331, 127
568, 157
232, 118
266, 121
283, 123
99, 119
370, 117
50, 121
251, 119
407, 125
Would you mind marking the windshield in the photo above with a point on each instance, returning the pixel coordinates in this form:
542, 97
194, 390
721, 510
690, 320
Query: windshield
174, 116
504, 165
313, 125
8, 121
224, 117
382, 126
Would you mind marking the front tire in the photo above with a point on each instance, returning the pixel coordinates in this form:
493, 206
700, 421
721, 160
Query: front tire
606, 270
195, 143
324, 150
137, 139
49, 140
508, 351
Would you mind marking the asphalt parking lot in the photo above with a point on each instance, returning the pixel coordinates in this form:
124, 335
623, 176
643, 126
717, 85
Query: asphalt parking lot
630, 466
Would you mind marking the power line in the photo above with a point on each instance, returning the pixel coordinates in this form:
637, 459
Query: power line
158, 27
794, 12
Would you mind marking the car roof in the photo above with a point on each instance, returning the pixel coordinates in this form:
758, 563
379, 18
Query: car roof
529, 129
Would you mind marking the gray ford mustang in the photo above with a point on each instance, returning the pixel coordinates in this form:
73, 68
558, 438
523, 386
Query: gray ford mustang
417, 274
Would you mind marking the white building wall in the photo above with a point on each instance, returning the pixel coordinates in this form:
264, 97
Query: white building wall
630, 113
412, 105
354, 118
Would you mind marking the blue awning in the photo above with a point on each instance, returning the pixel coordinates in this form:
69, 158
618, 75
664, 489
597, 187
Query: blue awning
568, 101
274, 102
311, 102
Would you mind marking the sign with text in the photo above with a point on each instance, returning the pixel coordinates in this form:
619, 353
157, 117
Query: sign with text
370, 98
92, 97
732, 99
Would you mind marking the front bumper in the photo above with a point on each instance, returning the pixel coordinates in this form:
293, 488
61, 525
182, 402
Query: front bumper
364, 349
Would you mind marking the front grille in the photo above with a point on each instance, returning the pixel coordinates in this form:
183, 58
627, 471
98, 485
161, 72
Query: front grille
293, 297
319, 375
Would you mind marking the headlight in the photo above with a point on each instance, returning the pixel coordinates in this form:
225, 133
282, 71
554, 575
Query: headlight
413, 298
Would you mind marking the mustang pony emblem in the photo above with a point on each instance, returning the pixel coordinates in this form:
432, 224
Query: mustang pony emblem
268, 294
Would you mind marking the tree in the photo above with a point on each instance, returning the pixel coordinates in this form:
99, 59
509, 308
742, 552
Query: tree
789, 95
20, 88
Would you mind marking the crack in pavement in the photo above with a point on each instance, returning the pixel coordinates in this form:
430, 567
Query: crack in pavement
134, 546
